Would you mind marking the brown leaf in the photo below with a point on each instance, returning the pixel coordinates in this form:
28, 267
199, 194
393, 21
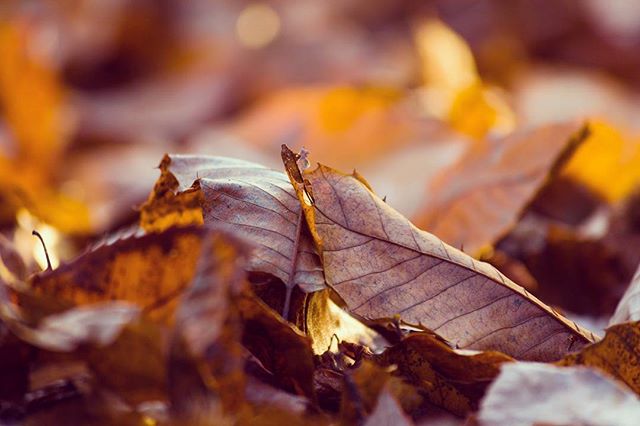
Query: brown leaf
124, 352
258, 203
206, 358
616, 354
448, 379
134, 365
476, 201
582, 274
282, 349
530, 393
151, 271
629, 306
382, 265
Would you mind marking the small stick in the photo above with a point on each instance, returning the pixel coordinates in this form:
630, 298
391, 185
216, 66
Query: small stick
44, 246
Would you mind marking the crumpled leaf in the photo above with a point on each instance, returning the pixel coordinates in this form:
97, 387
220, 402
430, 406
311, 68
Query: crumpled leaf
258, 203
476, 201
449, 379
529, 393
628, 308
382, 265
615, 354
150, 270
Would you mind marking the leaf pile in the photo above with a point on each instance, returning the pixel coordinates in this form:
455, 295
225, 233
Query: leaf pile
252, 296
477, 268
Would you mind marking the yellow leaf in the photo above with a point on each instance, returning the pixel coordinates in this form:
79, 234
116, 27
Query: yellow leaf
608, 163
453, 90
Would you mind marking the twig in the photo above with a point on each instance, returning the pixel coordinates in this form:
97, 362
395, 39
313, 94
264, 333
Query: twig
44, 246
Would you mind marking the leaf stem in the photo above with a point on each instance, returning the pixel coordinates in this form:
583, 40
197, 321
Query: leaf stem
44, 246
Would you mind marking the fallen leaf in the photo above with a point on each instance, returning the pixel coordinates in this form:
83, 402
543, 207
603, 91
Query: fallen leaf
629, 306
258, 203
615, 354
382, 265
453, 90
134, 366
581, 274
608, 163
451, 380
150, 270
475, 202
282, 349
206, 359
528, 393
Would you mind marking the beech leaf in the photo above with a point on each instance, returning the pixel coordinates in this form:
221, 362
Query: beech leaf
382, 265
257, 202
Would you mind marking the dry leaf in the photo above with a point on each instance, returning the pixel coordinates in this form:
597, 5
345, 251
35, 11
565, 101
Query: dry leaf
134, 365
258, 203
282, 349
206, 359
453, 89
608, 163
382, 265
615, 354
525, 394
475, 202
448, 379
629, 306
151, 271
